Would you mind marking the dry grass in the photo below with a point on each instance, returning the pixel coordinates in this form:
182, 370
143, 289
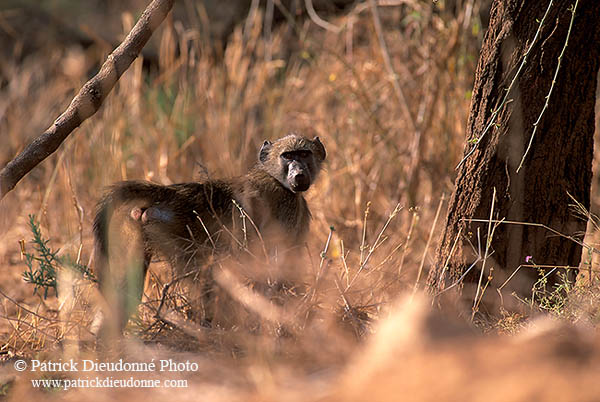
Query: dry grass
203, 118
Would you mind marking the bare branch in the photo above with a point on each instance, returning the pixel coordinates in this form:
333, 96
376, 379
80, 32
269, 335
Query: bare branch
89, 99
390, 69
318, 20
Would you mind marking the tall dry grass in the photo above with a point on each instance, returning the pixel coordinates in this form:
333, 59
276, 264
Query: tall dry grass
203, 118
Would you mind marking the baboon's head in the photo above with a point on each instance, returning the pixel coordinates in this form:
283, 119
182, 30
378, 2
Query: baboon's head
294, 160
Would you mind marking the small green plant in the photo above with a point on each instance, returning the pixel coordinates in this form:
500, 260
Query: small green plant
6, 387
43, 264
552, 300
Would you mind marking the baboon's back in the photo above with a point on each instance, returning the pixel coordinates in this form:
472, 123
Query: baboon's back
186, 220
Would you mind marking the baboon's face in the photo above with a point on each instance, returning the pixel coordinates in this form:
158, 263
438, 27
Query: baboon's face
299, 166
293, 160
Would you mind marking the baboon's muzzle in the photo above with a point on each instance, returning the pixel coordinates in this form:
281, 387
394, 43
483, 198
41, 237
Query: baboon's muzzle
300, 182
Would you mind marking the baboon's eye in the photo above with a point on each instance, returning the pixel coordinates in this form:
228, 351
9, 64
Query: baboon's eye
295, 155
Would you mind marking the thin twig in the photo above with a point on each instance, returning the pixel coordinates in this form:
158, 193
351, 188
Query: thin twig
488, 243
268, 24
343, 258
50, 186
260, 238
212, 242
560, 56
390, 68
35, 327
460, 279
20, 306
540, 225
248, 25
508, 90
318, 20
437, 214
168, 285
565, 267
441, 278
408, 238
79, 210
324, 252
377, 243
363, 246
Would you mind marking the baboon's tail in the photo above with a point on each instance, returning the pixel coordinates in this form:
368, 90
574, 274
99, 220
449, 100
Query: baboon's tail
137, 192
120, 257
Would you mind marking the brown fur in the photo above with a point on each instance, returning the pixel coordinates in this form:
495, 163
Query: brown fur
188, 223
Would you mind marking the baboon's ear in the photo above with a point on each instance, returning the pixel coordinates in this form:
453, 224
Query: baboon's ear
319, 148
263, 154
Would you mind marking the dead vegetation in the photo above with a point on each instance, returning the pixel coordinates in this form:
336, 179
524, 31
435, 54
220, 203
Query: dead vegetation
394, 133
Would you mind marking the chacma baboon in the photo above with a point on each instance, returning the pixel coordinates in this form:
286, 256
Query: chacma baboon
188, 223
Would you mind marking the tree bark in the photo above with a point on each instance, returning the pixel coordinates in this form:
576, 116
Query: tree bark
558, 163
89, 99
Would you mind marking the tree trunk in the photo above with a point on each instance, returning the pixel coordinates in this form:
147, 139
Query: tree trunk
558, 163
